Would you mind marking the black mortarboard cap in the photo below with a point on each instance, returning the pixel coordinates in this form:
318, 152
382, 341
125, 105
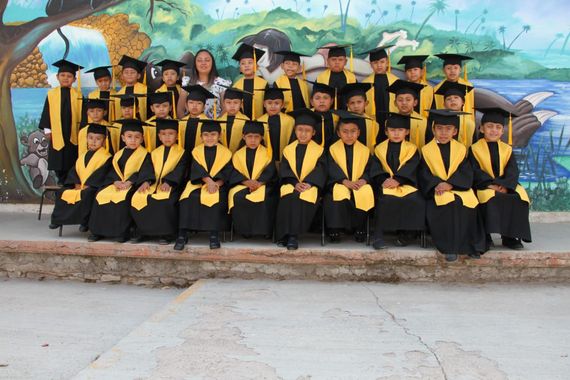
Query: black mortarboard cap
198, 93
324, 88
211, 126
95, 103
355, 89
378, 53
336, 50
133, 63
290, 55
256, 127
100, 72
272, 93
65, 66
448, 88
234, 93
246, 51
134, 125
400, 87
160, 97
495, 115
347, 116
128, 100
445, 116
453, 59
412, 61
306, 116
162, 124
97, 128
169, 64
397, 120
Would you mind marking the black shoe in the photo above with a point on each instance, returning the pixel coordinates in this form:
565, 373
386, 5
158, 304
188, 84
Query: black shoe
360, 236
164, 240
123, 239
475, 255
292, 243
83, 228
53, 226
450, 257
214, 242
94, 237
334, 237
138, 239
512, 243
401, 240
180, 243
281, 243
379, 244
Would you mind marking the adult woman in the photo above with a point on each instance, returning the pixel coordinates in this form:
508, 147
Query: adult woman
205, 74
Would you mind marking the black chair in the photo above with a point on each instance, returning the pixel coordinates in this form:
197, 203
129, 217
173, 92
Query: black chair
47, 189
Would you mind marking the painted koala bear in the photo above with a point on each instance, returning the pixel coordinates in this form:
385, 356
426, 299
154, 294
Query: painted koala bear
35, 158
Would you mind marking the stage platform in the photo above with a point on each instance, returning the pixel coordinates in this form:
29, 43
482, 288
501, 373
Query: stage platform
29, 249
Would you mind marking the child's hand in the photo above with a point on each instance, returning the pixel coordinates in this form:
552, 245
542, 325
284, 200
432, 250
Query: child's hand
390, 183
442, 188
361, 182
304, 186
144, 187
351, 185
118, 185
165, 187
78, 186
212, 187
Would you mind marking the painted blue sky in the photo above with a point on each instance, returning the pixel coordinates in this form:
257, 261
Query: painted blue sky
546, 17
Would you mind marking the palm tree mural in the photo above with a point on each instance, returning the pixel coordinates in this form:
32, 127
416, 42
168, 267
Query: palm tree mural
565, 43
485, 11
368, 16
384, 14
343, 14
456, 19
556, 38
483, 19
413, 8
437, 6
502, 29
454, 42
525, 29
397, 8
325, 7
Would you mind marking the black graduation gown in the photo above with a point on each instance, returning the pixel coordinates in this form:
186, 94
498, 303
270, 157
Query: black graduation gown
254, 218
455, 229
394, 213
296, 94
505, 214
330, 130
294, 215
160, 217
63, 160
114, 219
382, 102
195, 216
78, 213
338, 80
343, 215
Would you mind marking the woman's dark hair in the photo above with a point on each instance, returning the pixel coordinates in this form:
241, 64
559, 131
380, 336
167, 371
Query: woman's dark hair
213, 74
275, 40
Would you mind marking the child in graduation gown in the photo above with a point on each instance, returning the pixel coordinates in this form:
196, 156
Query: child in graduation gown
279, 124
298, 95
60, 120
104, 90
322, 100
250, 83
154, 206
233, 120
452, 66
204, 201
134, 70
336, 76
400, 207
446, 178
415, 71
406, 99
303, 174
504, 202
252, 199
110, 216
170, 76
348, 196
73, 203
356, 100
96, 112
190, 125
161, 106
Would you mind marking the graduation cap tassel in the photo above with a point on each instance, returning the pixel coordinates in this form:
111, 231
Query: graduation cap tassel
268, 143
465, 72
254, 62
79, 81
134, 108
113, 78
144, 77
173, 105
323, 131
304, 72
389, 63
424, 73
351, 60
464, 131
510, 129
335, 99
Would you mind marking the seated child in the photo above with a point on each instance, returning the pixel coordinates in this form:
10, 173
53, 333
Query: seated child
454, 100
96, 113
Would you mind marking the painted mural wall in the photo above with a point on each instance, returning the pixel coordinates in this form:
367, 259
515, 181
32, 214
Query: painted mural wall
521, 54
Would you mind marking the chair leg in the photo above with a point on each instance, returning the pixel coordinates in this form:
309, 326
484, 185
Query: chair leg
41, 205
223, 236
423, 240
60, 230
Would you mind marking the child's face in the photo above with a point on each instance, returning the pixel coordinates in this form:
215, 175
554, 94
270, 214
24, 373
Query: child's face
161, 110
104, 84
210, 138
291, 68
167, 137
246, 67
95, 141
406, 103
65, 79
195, 107
169, 77
96, 114
348, 133
336, 64
252, 140
397, 134
232, 106
414, 75
304, 133
357, 104
127, 112
454, 102
452, 72
132, 139
321, 102
130, 76
492, 131
380, 66
444, 133
273, 106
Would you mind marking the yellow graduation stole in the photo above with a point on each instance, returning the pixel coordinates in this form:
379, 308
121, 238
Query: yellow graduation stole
483, 156
283, 82
260, 162
371, 107
432, 156
407, 151
372, 129
140, 89
363, 197
469, 97
133, 165
237, 131
164, 88
325, 76
182, 130
426, 98
161, 170
223, 156
54, 102
466, 130
96, 94
312, 155
149, 134
82, 138
257, 103
287, 125
418, 130
100, 157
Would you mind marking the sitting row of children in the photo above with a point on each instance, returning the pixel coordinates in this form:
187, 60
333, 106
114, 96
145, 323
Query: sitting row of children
168, 192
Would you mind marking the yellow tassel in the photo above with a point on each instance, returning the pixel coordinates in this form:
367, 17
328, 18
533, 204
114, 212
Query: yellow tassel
418, 137
335, 99
107, 144
465, 72
304, 72
323, 131
268, 143
135, 108
79, 82
144, 77
254, 62
351, 60
113, 79
179, 134
464, 130
510, 130
173, 105
147, 138
424, 73
389, 63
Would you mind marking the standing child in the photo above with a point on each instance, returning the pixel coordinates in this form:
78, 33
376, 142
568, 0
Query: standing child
110, 216
104, 90
399, 206
446, 178
406, 100
298, 97
336, 76
73, 203
302, 173
190, 125
96, 112
132, 71
232, 119
170, 76
60, 120
322, 100
356, 102
348, 196
279, 124
250, 83
452, 65
161, 106
454, 95
252, 199
154, 205
415, 71
204, 201
504, 202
